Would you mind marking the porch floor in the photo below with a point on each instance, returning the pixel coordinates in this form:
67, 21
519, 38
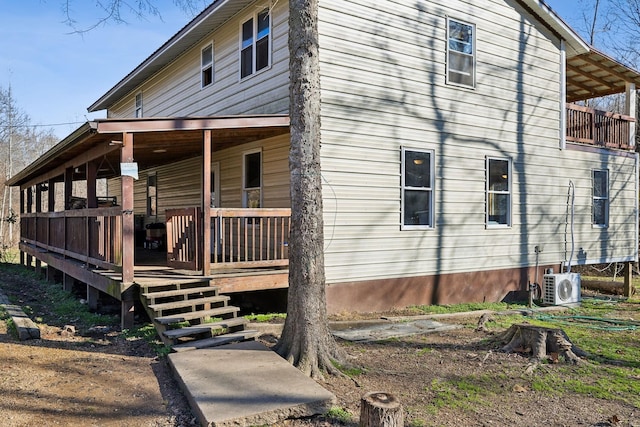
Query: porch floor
150, 269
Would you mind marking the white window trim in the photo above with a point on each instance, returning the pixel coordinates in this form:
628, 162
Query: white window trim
475, 50
138, 108
431, 189
509, 192
607, 199
255, 72
203, 66
244, 176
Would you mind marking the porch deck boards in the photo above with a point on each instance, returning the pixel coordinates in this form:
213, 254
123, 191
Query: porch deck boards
228, 281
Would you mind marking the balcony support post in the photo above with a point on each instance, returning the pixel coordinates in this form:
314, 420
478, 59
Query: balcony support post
630, 110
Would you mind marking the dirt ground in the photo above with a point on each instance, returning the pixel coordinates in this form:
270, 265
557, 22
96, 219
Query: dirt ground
107, 380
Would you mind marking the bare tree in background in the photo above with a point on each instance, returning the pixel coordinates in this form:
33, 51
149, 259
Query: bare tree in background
20, 144
123, 11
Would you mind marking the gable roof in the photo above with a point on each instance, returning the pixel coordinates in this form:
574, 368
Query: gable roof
590, 73
213, 17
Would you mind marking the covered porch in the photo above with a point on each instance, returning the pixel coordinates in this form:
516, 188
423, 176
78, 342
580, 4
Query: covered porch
71, 224
594, 75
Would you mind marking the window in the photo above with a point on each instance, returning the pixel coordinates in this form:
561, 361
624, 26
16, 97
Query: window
461, 53
255, 49
152, 194
206, 65
601, 198
417, 189
138, 108
498, 192
252, 180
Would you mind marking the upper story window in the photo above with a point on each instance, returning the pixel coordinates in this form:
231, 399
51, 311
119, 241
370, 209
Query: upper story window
252, 179
417, 189
601, 198
498, 192
255, 44
138, 106
461, 53
206, 65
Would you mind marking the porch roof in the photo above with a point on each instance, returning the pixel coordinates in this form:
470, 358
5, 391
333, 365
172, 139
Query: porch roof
594, 74
156, 141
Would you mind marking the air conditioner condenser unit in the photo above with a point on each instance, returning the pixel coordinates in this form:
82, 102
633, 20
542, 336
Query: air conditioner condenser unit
561, 288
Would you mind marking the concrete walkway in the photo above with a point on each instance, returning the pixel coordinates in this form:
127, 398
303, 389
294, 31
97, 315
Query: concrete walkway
246, 384
25, 327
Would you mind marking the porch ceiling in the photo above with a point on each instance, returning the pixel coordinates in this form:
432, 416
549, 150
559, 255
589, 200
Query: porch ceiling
156, 141
594, 74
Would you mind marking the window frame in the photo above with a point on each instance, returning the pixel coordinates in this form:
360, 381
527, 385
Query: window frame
404, 188
138, 105
208, 67
605, 198
449, 51
489, 193
254, 43
152, 199
245, 188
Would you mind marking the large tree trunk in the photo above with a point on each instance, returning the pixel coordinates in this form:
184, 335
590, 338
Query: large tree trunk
306, 341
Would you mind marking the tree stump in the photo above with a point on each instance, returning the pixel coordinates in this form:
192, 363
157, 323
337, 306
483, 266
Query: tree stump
380, 409
541, 342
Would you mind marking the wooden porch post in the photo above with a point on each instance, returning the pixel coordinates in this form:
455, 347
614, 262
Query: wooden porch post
22, 254
92, 172
51, 196
35, 222
630, 110
38, 209
127, 314
206, 203
68, 187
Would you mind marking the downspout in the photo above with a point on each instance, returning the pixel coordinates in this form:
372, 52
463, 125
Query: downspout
563, 95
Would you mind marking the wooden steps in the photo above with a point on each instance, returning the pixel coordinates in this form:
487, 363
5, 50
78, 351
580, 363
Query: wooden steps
190, 314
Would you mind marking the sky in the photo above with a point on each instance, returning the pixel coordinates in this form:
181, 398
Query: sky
55, 74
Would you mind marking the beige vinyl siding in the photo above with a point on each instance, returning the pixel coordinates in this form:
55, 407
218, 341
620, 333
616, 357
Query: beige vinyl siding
176, 90
179, 184
383, 87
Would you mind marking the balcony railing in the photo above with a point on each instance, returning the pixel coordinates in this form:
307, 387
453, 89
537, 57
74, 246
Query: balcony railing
90, 236
250, 237
240, 238
600, 128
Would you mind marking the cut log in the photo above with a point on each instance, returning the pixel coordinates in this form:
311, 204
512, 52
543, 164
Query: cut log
541, 343
380, 409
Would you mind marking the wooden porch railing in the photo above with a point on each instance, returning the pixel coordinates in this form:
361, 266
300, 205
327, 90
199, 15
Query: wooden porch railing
250, 237
91, 236
600, 128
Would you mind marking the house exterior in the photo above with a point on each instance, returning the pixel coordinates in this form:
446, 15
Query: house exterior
455, 165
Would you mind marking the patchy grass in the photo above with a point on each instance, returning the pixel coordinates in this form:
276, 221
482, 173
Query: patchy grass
460, 308
266, 318
53, 305
339, 415
148, 333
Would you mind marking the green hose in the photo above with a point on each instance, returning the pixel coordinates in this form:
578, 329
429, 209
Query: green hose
593, 322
